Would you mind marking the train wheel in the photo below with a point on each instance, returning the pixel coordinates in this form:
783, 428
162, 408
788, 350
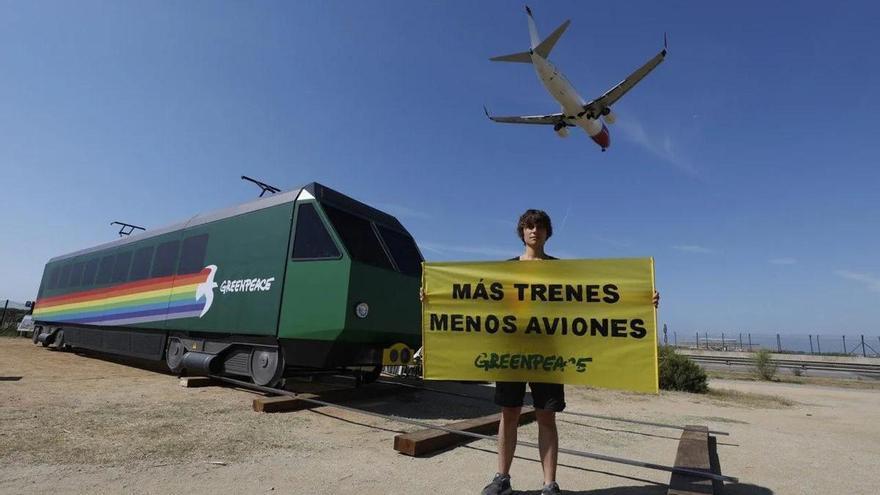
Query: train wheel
367, 377
49, 339
59, 340
267, 366
174, 354
35, 336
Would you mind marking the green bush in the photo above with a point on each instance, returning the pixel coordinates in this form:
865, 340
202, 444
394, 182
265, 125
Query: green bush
764, 368
678, 372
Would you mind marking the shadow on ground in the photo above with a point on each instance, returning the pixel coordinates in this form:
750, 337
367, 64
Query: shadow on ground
731, 489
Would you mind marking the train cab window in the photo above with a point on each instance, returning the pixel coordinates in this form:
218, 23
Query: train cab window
105, 270
120, 267
166, 259
89, 273
76, 274
403, 250
53, 277
311, 239
359, 237
140, 268
192, 256
65, 277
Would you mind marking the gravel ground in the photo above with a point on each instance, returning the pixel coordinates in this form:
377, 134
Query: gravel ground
83, 424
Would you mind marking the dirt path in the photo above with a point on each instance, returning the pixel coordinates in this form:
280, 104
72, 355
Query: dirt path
78, 424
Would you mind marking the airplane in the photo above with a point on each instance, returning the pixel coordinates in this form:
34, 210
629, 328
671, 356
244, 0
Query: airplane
576, 112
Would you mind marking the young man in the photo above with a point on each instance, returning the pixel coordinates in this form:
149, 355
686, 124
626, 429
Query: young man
534, 228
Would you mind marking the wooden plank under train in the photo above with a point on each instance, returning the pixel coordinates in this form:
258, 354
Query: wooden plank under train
197, 381
287, 403
697, 452
426, 441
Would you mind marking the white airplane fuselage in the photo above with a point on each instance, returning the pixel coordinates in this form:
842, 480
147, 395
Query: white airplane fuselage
572, 104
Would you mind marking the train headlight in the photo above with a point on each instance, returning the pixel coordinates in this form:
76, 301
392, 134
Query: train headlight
362, 310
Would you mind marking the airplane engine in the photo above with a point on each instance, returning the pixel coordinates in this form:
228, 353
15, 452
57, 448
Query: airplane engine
562, 132
610, 117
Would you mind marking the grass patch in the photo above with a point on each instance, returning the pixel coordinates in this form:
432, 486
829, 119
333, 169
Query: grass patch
749, 399
850, 383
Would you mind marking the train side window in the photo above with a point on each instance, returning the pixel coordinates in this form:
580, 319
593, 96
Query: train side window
120, 267
166, 259
54, 274
192, 256
403, 250
359, 237
65, 277
311, 240
140, 268
76, 274
89, 273
105, 270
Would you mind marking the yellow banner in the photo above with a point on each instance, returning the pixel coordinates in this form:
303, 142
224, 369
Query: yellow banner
589, 322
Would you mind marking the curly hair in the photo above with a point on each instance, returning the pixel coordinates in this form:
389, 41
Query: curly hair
531, 218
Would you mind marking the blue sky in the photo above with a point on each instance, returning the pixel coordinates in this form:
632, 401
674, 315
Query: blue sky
746, 164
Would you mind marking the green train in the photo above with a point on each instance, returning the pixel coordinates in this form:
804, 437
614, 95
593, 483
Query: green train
301, 282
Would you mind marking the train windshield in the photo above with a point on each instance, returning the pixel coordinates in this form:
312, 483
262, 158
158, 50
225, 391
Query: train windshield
403, 250
359, 237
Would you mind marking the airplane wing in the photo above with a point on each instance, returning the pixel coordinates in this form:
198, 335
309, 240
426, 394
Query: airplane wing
550, 119
597, 106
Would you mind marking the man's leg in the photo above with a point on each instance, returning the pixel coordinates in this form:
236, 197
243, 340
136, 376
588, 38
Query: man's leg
548, 443
507, 429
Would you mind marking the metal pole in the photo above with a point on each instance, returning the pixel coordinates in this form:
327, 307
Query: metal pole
778, 343
844, 344
665, 338
740, 341
750, 342
864, 354
707, 341
811, 343
723, 348
698, 340
818, 344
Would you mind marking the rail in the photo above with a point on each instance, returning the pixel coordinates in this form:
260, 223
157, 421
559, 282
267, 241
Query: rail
589, 455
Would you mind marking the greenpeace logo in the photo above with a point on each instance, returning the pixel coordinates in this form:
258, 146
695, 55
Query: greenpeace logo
493, 361
247, 285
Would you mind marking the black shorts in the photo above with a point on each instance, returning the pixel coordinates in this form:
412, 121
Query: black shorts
547, 396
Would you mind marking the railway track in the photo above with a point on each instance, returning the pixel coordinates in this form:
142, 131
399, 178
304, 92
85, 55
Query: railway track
685, 471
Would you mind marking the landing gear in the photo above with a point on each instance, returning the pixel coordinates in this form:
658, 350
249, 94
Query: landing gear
557, 126
603, 150
266, 366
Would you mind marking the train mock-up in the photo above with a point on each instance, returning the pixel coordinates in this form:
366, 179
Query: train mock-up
302, 282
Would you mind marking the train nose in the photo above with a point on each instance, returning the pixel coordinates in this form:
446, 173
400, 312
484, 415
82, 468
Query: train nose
603, 138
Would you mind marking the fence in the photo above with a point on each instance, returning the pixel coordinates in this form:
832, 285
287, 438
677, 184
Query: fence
841, 345
11, 313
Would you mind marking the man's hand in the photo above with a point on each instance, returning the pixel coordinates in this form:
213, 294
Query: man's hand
422, 294
656, 299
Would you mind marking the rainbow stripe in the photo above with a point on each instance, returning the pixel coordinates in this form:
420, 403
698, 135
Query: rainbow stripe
155, 299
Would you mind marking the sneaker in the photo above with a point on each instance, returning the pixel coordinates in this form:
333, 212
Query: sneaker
551, 488
500, 485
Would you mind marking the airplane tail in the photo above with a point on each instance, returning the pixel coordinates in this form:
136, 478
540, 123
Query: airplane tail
542, 48
533, 30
